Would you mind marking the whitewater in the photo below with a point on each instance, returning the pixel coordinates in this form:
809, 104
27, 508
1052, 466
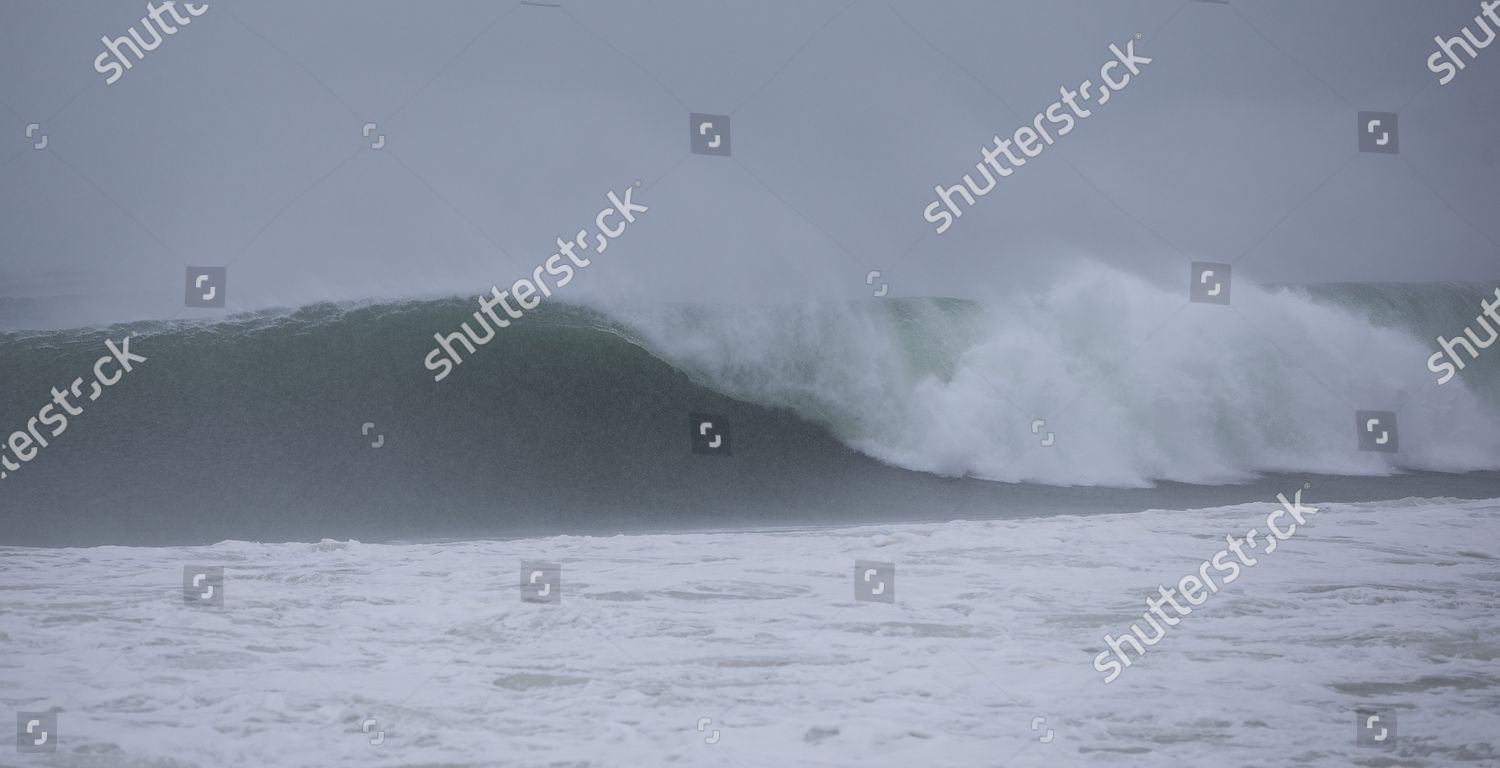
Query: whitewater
1136, 386
747, 648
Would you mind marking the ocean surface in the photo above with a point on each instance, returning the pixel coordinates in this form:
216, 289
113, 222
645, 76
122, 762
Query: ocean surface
1032, 470
748, 648
1104, 393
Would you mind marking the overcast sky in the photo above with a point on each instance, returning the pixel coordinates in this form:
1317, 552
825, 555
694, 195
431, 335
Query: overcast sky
238, 142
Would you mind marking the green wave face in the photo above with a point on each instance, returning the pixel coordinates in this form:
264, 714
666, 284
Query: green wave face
574, 419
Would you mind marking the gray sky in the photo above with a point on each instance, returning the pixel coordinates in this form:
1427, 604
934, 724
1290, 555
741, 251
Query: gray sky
238, 141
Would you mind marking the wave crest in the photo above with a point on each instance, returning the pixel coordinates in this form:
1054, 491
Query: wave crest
1135, 383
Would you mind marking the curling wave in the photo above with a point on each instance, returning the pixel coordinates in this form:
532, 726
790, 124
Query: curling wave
576, 418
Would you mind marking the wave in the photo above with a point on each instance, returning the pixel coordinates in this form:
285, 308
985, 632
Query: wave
1134, 384
254, 426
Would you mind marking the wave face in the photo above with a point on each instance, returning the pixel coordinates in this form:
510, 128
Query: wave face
252, 428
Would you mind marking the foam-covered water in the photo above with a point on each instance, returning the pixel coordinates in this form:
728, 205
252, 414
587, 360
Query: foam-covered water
1388, 606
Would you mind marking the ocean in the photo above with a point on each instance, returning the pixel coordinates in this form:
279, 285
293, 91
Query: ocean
1019, 478
746, 648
